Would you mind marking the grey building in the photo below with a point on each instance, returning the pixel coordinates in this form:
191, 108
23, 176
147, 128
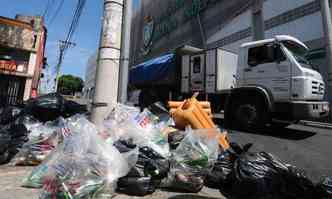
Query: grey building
160, 26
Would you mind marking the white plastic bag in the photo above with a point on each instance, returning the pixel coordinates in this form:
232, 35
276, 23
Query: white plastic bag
83, 165
43, 138
197, 151
143, 128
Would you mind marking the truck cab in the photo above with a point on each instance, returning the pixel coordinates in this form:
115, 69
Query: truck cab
285, 83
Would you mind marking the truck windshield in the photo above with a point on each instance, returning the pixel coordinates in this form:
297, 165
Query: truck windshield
299, 52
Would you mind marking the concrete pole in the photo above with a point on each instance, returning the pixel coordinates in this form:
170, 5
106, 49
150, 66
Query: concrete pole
125, 51
107, 74
327, 26
257, 20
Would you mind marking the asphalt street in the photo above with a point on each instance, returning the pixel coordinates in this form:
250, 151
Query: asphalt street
307, 148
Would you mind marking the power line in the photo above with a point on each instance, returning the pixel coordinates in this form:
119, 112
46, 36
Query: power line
46, 8
64, 45
56, 11
75, 22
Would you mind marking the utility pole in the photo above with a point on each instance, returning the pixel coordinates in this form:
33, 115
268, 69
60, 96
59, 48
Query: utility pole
327, 26
107, 74
257, 19
125, 51
63, 45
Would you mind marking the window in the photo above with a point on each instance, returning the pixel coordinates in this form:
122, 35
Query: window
299, 52
265, 54
197, 65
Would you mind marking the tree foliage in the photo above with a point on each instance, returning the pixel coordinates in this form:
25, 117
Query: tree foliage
69, 84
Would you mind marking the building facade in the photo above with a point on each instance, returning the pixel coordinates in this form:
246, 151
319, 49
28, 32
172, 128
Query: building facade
22, 48
161, 26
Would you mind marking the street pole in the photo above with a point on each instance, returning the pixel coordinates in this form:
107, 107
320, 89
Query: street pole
327, 26
63, 45
107, 74
257, 20
125, 51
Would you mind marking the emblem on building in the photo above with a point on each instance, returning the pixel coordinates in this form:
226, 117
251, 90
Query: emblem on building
148, 30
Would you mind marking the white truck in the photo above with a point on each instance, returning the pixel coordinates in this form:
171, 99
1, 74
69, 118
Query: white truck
269, 80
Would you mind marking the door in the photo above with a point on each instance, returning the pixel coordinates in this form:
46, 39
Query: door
268, 67
197, 72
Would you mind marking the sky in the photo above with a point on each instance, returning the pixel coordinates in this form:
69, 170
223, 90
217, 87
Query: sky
86, 36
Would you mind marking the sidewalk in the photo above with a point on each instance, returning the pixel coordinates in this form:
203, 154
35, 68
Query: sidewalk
11, 178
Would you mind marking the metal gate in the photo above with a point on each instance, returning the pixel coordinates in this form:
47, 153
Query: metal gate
11, 90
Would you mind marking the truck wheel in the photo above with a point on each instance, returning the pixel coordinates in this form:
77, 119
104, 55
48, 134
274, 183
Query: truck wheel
248, 115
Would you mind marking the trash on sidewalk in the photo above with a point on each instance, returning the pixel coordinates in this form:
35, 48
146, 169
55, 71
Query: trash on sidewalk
17, 123
12, 138
9, 115
325, 188
137, 152
260, 175
145, 129
220, 173
42, 140
191, 160
143, 178
83, 165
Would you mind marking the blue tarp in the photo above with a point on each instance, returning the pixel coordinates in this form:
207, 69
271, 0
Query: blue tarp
160, 70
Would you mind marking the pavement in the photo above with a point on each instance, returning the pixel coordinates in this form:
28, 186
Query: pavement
11, 180
307, 148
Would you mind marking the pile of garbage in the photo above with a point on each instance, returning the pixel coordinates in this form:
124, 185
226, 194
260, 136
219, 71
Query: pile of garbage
29, 132
136, 153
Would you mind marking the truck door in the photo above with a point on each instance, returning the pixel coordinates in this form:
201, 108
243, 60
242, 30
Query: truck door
197, 72
268, 67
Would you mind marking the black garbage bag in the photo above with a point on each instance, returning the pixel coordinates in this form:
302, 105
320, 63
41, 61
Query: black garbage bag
183, 182
136, 186
124, 146
324, 188
12, 138
220, 174
9, 115
145, 176
261, 175
153, 163
46, 108
4, 147
72, 108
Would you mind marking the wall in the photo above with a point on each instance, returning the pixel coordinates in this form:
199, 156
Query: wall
240, 22
16, 34
177, 24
